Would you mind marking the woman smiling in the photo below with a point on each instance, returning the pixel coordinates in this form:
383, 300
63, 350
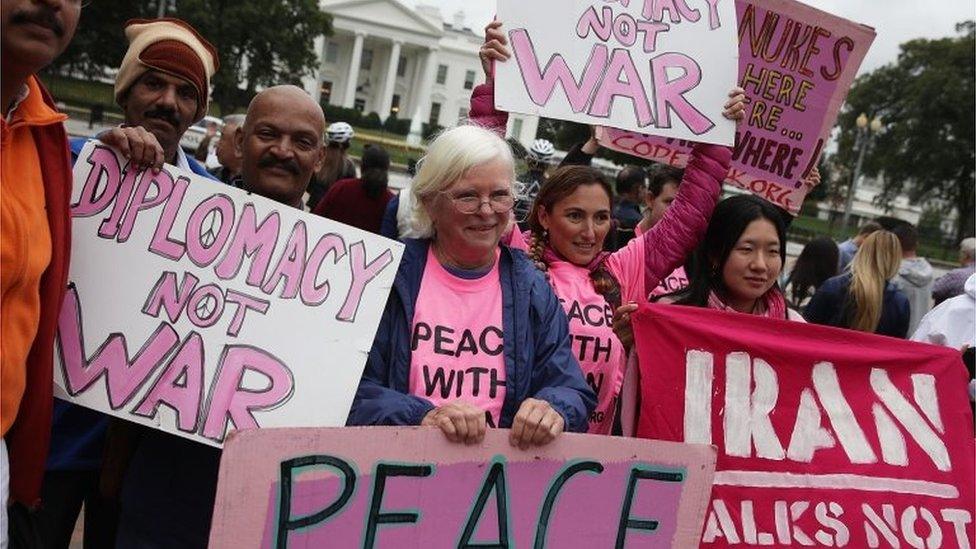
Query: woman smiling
472, 335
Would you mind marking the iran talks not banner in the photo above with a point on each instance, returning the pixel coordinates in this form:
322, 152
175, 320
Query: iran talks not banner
825, 437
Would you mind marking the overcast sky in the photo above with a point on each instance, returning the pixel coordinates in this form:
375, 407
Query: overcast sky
895, 21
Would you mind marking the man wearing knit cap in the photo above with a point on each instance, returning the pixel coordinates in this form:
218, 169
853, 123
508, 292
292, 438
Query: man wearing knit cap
163, 87
163, 84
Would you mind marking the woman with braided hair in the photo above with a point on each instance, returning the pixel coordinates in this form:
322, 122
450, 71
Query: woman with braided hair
568, 223
567, 226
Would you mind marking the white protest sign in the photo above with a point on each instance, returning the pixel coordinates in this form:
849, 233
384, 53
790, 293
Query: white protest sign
195, 307
661, 67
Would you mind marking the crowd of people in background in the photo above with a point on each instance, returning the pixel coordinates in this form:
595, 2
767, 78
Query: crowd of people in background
513, 258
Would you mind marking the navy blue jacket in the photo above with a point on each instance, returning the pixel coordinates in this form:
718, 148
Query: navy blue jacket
388, 227
830, 305
538, 360
78, 433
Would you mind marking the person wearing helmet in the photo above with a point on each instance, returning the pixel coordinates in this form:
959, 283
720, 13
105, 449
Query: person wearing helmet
337, 164
537, 159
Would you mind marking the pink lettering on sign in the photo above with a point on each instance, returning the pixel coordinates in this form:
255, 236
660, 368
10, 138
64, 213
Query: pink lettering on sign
162, 339
180, 387
124, 375
231, 400
795, 65
105, 167
541, 83
606, 77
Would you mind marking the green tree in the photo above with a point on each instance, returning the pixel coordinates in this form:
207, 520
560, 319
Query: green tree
260, 42
926, 101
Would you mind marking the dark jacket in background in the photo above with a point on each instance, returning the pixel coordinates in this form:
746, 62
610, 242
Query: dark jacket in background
831, 306
347, 202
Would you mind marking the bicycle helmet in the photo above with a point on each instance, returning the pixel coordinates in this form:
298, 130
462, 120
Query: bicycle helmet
540, 151
339, 132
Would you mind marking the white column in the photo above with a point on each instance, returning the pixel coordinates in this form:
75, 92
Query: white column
386, 100
349, 97
313, 82
411, 101
422, 108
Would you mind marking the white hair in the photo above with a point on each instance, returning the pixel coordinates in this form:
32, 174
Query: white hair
449, 157
968, 247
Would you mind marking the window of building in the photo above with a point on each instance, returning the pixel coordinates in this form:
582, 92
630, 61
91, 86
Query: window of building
331, 52
463, 113
435, 113
326, 92
517, 128
402, 66
366, 62
441, 74
395, 105
359, 105
468, 80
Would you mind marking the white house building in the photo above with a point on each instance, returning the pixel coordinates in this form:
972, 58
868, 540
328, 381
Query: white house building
388, 58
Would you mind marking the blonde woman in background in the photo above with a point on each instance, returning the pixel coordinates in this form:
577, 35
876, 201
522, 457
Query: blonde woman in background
864, 299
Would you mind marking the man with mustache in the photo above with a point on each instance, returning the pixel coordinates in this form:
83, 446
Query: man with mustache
163, 87
35, 185
281, 144
169, 490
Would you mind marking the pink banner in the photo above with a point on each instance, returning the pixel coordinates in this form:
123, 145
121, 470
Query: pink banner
796, 64
826, 437
409, 487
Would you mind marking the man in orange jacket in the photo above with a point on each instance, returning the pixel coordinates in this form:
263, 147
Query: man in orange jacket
35, 182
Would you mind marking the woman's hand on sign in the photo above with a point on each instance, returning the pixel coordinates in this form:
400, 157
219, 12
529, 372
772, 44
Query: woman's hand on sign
735, 107
621, 324
494, 47
137, 145
459, 421
536, 424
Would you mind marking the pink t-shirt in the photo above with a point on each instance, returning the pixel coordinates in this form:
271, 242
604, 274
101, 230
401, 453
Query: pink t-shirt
671, 283
457, 350
600, 353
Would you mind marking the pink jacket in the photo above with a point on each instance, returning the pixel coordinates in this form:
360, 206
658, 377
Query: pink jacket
483, 112
645, 261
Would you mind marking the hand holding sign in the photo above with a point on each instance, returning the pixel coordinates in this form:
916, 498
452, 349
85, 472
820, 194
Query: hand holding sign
735, 107
459, 421
536, 423
137, 145
494, 47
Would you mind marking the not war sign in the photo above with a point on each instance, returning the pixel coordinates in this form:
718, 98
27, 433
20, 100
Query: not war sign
195, 307
826, 437
655, 66
796, 64
409, 487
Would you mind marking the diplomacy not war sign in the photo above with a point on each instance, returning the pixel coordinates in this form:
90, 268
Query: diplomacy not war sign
825, 437
195, 307
394, 487
796, 64
662, 67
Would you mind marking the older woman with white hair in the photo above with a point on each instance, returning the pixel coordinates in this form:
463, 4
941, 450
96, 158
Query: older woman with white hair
472, 335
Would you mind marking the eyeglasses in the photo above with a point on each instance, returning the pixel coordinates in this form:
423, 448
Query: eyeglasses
469, 204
